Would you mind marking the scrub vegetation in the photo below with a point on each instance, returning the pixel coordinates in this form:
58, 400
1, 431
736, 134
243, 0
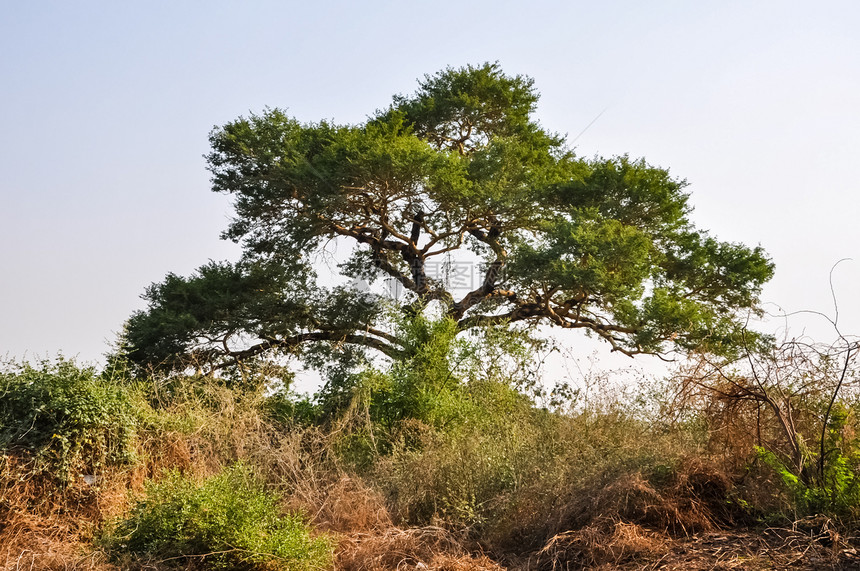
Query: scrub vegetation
437, 441
470, 474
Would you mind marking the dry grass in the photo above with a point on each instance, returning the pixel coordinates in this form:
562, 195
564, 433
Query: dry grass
695, 500
46, 527
593, 546
58, 556
300, 464
424, 548
350, 506
582, 494
631, 520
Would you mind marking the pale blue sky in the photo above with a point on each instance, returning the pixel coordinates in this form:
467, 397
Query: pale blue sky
105, 109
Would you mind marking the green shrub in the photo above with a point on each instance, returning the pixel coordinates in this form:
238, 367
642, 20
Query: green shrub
838, 495
516, 475
466, 472
67, 416
228, 522
288, 408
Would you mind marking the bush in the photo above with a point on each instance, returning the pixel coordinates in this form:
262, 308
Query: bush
787, 418
227, 522
515, 474
468, 472
67, 416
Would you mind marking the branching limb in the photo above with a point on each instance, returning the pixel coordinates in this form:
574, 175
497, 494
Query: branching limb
295, 341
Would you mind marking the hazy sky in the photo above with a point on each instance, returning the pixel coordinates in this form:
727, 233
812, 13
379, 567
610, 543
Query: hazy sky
105, 108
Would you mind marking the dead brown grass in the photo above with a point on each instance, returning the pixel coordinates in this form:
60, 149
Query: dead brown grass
596, 546
424, 548
584, 511
349, 505
58, 556
694, 500
43, 526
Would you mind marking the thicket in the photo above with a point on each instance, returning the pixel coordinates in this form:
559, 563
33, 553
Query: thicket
228, 521
450, 458
70, 420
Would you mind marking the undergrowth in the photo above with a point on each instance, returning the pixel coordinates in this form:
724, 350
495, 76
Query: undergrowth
445, 461
66, 418
228, 521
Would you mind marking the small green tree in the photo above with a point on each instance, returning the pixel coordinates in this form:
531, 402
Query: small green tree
460, 168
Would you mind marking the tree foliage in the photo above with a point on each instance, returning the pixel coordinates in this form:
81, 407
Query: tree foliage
459, 168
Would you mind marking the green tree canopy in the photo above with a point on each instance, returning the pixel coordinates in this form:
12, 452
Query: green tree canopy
461, 167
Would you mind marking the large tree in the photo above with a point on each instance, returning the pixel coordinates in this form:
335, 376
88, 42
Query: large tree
460, 168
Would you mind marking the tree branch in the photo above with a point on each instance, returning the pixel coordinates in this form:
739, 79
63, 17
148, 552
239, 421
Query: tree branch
293, 342
542, 310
